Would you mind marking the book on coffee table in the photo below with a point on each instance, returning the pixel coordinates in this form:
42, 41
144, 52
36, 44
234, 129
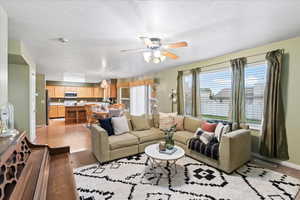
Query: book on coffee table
168, 151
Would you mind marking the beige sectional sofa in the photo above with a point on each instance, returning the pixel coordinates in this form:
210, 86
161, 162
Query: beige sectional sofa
234, 147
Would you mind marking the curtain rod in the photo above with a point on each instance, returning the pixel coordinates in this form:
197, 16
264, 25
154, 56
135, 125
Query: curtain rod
226, 61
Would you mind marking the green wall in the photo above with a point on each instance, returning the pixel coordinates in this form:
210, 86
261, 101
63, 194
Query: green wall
3, 56
18, 94
40, 100
290, 83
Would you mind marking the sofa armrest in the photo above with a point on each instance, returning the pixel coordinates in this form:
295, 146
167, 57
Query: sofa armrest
235, 149
100, 143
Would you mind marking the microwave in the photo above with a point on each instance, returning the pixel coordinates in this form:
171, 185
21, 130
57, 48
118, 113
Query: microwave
70, 94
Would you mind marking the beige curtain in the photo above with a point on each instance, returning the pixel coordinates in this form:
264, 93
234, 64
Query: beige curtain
273, 140
195, 89
180, 101
238, 92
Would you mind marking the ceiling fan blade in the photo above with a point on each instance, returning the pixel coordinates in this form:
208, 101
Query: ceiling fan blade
146, 40
170, 55
133, 50
176, 45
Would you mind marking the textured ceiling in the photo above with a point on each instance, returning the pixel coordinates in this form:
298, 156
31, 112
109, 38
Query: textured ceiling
99, 29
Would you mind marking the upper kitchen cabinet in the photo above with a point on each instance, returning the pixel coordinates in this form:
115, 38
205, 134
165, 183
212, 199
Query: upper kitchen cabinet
71, 89
51, 91
98, 92
59, 91
85, 92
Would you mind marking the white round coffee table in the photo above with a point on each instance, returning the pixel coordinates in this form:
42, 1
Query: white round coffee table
157, 159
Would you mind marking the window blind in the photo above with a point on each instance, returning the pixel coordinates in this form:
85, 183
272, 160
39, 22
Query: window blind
255, 81
215, 93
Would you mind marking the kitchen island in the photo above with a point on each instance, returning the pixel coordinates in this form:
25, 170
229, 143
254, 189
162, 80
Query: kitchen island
75, 114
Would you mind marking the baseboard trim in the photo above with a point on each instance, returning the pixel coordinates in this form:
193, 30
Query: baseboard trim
283, 163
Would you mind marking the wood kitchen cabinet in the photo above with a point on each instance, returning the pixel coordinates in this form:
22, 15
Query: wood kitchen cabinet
71, 89
59, 91
86, 92
60, 111
56, 111
53, 111
51, 91
98, 92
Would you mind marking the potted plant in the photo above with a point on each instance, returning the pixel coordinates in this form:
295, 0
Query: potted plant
169, 142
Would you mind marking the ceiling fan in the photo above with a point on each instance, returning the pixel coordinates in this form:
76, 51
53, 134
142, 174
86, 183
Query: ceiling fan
155, 51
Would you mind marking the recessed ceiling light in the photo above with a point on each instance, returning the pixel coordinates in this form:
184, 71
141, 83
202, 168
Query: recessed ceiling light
63, 40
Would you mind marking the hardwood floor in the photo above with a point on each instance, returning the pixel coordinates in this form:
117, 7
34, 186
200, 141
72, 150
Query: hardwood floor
77, 136
57, 134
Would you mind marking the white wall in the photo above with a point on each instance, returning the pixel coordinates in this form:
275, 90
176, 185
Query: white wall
3, 56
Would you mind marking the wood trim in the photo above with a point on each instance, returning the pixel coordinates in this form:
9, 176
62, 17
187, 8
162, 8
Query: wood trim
123, 84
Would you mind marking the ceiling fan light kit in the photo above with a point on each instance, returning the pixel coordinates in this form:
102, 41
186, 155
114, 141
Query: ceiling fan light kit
155, 51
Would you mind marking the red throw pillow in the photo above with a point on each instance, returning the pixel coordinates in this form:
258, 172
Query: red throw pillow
209, 127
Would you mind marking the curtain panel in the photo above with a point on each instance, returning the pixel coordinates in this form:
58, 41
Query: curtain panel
274, 140
195, 92
238, 92
180, 100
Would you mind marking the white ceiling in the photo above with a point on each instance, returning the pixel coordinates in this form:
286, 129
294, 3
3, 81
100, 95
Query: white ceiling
99, 29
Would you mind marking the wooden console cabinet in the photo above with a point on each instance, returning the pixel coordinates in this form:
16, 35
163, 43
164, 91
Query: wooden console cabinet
30, 171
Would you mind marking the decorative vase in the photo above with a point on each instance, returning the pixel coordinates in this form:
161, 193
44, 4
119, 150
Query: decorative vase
169, 143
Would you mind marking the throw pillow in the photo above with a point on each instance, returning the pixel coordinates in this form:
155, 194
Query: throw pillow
120, 125
178, 120
206, 137
139, 123
166, 120
107, 125
219, 131
198, 133
226, 129
209, 127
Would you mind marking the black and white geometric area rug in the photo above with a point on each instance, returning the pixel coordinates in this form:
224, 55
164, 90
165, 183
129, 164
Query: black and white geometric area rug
132, 178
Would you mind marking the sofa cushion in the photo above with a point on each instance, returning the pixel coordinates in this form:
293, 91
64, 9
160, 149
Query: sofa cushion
166, 120
183, 136
210, 150
178, 120
124, 140
140, 123
191, 124
148, 135
120, 125
209, 127
107, 125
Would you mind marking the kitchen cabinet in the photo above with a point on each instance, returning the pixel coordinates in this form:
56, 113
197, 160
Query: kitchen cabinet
52, 111
71, 89
51, 91
85, 92
59, 91
60, 111
98, 92
56, 111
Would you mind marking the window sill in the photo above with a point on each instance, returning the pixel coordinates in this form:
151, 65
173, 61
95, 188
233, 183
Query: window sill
255, 127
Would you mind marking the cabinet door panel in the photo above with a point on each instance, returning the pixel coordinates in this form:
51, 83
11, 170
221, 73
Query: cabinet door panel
82, 92
61, 111
51, 91
53, 111
59, 91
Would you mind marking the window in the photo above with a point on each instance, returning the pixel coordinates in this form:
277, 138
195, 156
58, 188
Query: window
215, 93
187, 94
152, 100
255, 81
139, 100
125, 97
